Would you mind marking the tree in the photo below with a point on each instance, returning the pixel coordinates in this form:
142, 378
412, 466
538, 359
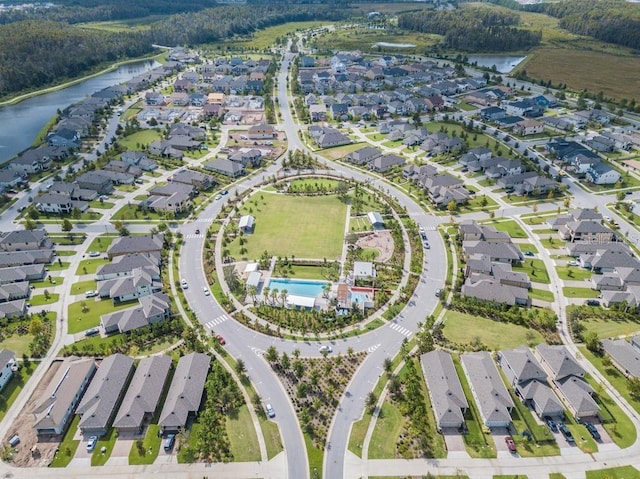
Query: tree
66, 225
371, 401
76, 213
387, 365
29, 224
591, 341
240, 367
272, 355
284, 361
35, 326
452, 206
634, 387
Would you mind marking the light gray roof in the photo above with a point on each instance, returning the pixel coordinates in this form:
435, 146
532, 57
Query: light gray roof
104, 392
580, 247
61, 391
447, 396
29, 239
523, 364
135, 244
6, 357
144, 392
624, 354
127, 263
494, 250
613, 259
21, 273
489, 390
577, 393
559, 361
489, 289
546, 401
185, 393
139, 315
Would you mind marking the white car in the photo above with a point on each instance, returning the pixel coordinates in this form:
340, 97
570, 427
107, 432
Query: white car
606, 218
91, 294
326, 348
94, 254
184, 284
206, 291
91, 445
218, 197
270, 411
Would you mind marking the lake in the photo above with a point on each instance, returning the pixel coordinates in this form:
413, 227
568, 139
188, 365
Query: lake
503, 63
20, 123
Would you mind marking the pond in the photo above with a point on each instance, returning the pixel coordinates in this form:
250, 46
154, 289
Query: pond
503, 63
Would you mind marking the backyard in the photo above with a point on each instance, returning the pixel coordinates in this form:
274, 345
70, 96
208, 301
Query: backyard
86, 314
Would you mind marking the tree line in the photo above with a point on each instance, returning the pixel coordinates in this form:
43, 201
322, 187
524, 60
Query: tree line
473, 30
36, 53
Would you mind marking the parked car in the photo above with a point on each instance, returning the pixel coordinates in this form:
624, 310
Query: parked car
566, 433
197, 231
224, 192
426, 244
91, 294
91, 445
184, 284
270, 411
220, 339
218, 197
169, 441
552, 425
91, 332
438, 292
510, 444
606, 218
593, 302
94, 254
592, 430
573, 262
529, 253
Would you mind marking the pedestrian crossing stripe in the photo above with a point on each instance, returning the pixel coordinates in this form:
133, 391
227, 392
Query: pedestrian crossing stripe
216, 321
193, 236
401, 329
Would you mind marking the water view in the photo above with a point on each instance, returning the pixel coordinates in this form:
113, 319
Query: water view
503, 64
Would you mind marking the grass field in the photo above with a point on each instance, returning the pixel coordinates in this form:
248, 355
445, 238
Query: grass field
108, 442
364, 39
41, 299
573, 273
541, 294
101, 243
358, 432
82, 287
385, 433
151, 444
580, 292
68, 446
272, 439
139, 138
535, 269
510, 227
14, 386
611, 329
626, 472
340, 151
90, 266
242, 436
266, 38
307, 227
79, 321
463, 328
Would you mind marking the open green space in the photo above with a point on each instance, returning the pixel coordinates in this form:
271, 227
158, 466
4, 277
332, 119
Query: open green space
68, 446
101, 205
535, 269
573, 273
315, 456
607, 328
308, 272
65, 252
463, 328
316, 232
625, 472
265, 38
82, 287
385, 432
140, 138
541, 294
80, 320
90, 266
338, 152
18, 343
242, 436
101, 243
131, 211
41, 299
271, 435
527, 247
570, 292
358, 432
106, 442
57, 266
364, 39
150, 446
13, 388
510, 227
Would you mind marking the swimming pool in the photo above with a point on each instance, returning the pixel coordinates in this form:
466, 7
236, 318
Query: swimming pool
298, 287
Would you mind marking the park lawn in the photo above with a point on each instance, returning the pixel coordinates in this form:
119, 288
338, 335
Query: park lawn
541, 294
624, 472
108, 441
316, 232
41, 299
307, 272
13, 388
315, 184
68, 446
91, 318
359, 223
535, 269
358, 432
573, 273
570, 292
242, 436
139, 138
90, 266
271, 435
510, 227
151, 444
82, 287
385, 432
265, 38
101, 243
462, 328
368, 254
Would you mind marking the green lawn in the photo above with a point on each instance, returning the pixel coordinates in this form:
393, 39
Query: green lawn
307, 227
131, 212
242, 436
358, 432
510, 227
107, 441
151, 444
541, 294
139, 138
271, 435
580, 292
315, 456
307, 272
101, 243
463, 328
68, 446
535, 269
91, 318
552, 243
385, 433
45, 283
101, 205
41, 299
82, 287
90, 266
13, 388
58, 266
626, 472
611, 328
65, 252
573, 273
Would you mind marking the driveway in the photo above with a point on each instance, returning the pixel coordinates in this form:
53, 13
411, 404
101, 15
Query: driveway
455, 443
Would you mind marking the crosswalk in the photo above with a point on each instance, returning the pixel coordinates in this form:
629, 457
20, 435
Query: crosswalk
203, 220
400, 329
214, 322
193, 236
429, 228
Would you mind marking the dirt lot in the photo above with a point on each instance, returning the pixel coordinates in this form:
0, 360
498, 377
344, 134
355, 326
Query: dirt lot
381, 241
23, 426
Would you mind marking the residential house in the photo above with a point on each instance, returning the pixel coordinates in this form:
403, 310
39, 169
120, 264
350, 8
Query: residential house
102, 398
25, 240
140, 160
57, 203
185, 392
123, 245
27, 272
93, 180
364, 155
53, 413
497, 251
528, 127
603, 174
125, 264
331, 137
8, 363
226, 167
189, 177
491, 395
623, 355
488, 288
386, 162
586, 230
174, 197
446, 396
143, 395
262, 131
127, 288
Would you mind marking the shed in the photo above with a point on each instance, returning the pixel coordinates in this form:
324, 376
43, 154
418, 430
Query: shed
375, 219
363, 269
246, 224
254, 279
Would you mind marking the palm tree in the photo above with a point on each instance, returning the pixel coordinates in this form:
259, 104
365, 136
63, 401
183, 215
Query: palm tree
265, 292
283, 296
274, 295
253, 290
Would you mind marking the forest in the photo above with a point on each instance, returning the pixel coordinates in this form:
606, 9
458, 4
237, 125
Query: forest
613, 21
473, 30
37, 53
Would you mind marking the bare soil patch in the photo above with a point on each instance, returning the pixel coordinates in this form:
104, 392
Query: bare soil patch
381, 241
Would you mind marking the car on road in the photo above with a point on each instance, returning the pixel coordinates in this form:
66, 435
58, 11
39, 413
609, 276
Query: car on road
91, 445
218, 197
426, 244
206, 291
553, 427
221, 340
592, 430
592, 302
91, 332
606, 218
184, 284
529, 253
269, 409
197, 231
326, 348
94, 254
224, 192
438, 292
169, 441
566, 433
510, 444
91, 294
